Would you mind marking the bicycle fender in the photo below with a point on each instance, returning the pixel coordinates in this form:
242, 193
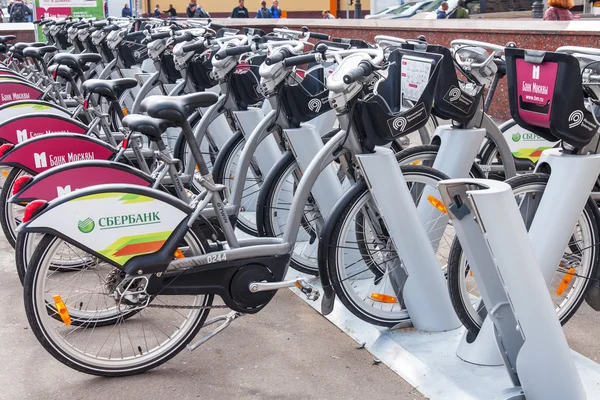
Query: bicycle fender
66, 178
21, 128
113, 222
44, 152
13, 90
26, 107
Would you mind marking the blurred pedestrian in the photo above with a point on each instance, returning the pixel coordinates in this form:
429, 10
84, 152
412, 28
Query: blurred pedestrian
461, 10
19, 12
263, 11
558, 10
171, 11
157, 12
442, 12
126, 11
240, 11
327, 15
275, 10
10, 6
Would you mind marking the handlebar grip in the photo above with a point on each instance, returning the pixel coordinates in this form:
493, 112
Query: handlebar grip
233, 51
186, 37
199, 45
110, 28
134, 35
100, 24
299, 60
319, 36
160, 35
363, 69
278, 57
216, 27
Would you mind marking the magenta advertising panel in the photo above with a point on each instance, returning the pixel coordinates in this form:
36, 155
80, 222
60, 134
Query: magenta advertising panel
14, 91
57, 184
535, 88
51, 151
20, 129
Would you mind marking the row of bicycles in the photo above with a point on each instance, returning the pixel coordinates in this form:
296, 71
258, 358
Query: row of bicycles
151, 166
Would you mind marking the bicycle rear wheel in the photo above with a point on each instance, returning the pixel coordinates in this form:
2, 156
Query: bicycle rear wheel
110, 335
570, 282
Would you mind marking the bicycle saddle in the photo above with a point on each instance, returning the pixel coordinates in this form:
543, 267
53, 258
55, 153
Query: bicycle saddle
6, 38
63, 71
153, 128
3, 48
108, 88
177, 109
38, 52
76, 61
22, 45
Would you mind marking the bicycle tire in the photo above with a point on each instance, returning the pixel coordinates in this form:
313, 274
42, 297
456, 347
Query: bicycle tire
331, 236
35, 312
591, 214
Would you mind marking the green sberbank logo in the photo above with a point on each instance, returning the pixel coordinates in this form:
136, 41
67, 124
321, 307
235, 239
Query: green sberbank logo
120, 221
86, 226
516, 137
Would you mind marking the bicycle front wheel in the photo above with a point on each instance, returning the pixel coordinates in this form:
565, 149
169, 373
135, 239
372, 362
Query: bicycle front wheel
360, 254
571, 279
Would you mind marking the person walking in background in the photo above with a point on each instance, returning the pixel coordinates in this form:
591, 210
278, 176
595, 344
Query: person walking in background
126, 11
558, 10
157, 12
461, 10
441, 13
275, 10
263, 11
194, 10
19, 12
171, 11
240, 11
10, 6
327, 15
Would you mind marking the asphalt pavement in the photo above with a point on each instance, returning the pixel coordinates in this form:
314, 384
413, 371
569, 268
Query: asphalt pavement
287, 351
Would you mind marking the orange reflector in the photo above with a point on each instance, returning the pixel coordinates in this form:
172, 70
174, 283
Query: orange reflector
471, 273
125, 111
5, 173
298, 285
179, 254
437, 204
383, 298
565, 282
62, 310
416, 162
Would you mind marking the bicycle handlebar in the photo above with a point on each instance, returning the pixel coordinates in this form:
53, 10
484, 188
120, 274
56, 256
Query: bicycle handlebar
199, 45
303, 59
278, 57
160, 35
364, 68
233, 51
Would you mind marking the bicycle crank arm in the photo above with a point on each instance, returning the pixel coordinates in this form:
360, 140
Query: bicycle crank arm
311, 292
228, 318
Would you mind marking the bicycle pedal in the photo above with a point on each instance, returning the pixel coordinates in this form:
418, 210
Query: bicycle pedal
228, 318
311, 292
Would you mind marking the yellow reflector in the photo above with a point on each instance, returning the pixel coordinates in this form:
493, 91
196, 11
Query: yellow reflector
565, 282
179, 254
416, 162
125, 111
383, 298
5, 173
197, 168
437, 204
62, 310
